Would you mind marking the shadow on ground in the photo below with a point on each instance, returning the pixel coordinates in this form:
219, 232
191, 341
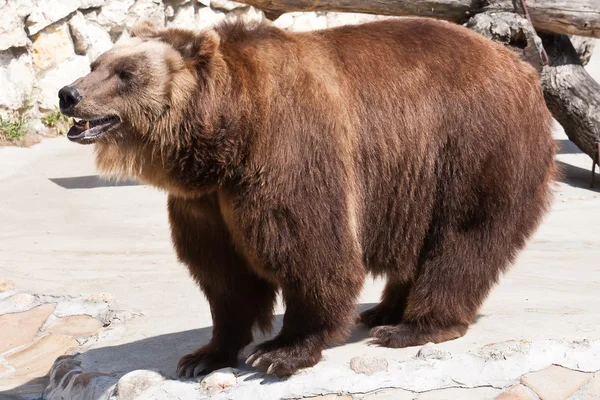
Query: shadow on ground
565, 146
572, 175
164, 351
578, 177
161, 353
91, 182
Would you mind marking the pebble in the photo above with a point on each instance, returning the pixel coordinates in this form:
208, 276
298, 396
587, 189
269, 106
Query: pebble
134, 383
430, 351
6, 285
368, 365
218, 380
22, 299
101, 298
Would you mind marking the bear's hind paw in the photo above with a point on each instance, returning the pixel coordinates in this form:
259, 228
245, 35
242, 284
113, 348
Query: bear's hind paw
406, 335
284, 360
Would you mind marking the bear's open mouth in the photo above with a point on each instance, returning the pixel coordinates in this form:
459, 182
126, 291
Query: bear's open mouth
87, 131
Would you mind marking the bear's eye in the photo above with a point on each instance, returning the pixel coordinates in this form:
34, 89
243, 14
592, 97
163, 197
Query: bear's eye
124, 75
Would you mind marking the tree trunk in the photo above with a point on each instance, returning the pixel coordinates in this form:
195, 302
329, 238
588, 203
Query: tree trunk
571, 94
573, 17
584, 47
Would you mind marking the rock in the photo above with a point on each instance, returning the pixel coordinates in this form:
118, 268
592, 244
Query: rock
6, 285
75, 325
51, 46
21, 7
431, 352
64, 366
368, 365
36, 359
113, 15
555, 382
225, 5
91, 4
206, 18
218, 380
182, 16
518, 392
12, 24
16, 78
152, 10
285, 21
46, 12
338, 19
134, 383
308, 22
329, 397
89, 38
21, 328
82, 386
21, 299
101, 298
58, 77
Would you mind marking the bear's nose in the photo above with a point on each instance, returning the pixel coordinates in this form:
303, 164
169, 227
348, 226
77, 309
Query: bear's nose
68, 98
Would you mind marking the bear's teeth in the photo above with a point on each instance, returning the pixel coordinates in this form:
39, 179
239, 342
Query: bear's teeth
87, 125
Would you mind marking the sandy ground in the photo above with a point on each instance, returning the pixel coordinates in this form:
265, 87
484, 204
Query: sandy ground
65, 232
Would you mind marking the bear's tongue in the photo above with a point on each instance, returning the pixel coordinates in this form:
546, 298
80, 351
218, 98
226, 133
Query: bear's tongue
91, 129
78, 129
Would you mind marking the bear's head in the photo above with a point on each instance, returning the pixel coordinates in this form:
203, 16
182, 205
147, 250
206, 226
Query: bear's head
141, 89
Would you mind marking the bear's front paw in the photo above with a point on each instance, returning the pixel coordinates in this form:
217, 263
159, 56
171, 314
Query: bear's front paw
205, 360
283, 359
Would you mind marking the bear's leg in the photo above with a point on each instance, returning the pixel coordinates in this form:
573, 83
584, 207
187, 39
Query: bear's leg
456, 274
318, 313
391, 308
238, 298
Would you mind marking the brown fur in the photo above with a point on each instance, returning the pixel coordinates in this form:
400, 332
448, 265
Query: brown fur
409, 148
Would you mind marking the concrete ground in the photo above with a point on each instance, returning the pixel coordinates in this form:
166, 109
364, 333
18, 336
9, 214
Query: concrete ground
65, 232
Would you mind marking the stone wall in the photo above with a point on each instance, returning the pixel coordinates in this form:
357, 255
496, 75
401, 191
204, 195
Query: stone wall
45, 44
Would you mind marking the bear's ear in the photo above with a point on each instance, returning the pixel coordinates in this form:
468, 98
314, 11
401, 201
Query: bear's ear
197, 47
145, 29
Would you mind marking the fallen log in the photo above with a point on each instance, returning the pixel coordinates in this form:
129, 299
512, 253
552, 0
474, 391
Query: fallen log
584, 47
573, 17
571, 94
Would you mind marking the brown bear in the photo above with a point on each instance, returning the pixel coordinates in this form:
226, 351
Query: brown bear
409, 148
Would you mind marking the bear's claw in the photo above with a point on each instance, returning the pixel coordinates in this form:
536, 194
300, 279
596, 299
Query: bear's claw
204, 361
406, 335
282, 360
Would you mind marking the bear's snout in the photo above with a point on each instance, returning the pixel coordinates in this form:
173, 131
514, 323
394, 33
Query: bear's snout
68, 97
